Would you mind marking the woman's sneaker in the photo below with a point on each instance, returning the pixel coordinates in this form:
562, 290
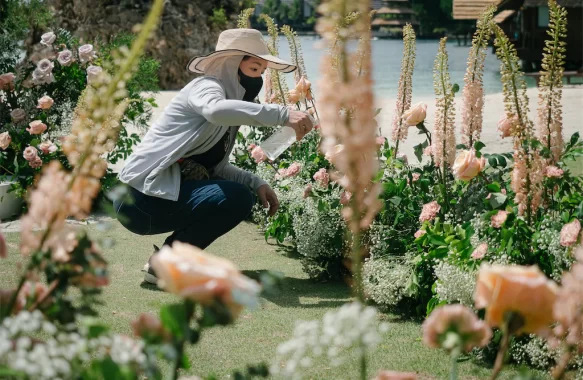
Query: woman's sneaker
149, 274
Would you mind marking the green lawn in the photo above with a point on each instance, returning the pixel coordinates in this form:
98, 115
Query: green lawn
257, 333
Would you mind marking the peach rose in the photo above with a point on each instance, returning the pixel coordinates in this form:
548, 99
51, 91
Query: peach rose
429, 211
65, 57
30, 153
45, 102
191, 273
36, 127
48, 147
322, 178
7, 81
499, 219
458, 319
293, 96
5, 140
570, 233
505, 125
47, 39
467, 165
258, 154
345, 197
415, 115
394, 375
553, 172
303, 86
524, 290
86, 53
480, 252
18, 115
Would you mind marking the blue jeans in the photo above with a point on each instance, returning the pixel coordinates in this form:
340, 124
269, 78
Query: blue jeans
204, 211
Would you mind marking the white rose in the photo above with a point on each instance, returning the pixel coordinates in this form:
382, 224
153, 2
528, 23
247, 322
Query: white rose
65, 57
45, 67
86, 53
93, 73
47, 39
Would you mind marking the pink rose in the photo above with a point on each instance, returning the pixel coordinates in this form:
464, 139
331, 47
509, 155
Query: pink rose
308, 191
47, 147
36, 163
30, 153
37, 127
415, 115
293, 170
5, 140
480, 252
416, 177
18, 115
47, 39
45, 102
467, 165
251, 147
322, 178
429, 211
505, 125
380, 140
7, 81
86, 53
570, 233
65, 57
345, 197
419, 233
499, 219
93, 73
553, 172
258, 154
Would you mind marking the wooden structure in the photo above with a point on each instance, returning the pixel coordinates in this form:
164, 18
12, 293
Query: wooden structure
392, 16
526, 23
470, 9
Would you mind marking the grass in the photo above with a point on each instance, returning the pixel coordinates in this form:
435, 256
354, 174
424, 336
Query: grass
257, 333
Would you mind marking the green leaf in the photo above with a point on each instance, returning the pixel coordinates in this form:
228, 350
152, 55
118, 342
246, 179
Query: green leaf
173, 317
478, 145
494, 187
455, 88
396, 200
492, 161
418, 149
497, 200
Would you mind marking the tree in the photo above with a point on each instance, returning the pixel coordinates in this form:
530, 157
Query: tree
296, 13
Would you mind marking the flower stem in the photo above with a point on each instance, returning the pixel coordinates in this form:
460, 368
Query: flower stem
559, 371
179, 345
363, 364
454, 365
50, 290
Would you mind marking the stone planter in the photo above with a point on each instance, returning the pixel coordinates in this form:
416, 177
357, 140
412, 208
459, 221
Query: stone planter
10, 204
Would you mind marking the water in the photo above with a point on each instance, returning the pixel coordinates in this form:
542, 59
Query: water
386, 59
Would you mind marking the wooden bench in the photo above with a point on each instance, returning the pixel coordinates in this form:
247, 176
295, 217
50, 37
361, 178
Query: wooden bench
566, 74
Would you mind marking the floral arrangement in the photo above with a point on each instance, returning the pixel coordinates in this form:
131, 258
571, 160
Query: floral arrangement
38, 99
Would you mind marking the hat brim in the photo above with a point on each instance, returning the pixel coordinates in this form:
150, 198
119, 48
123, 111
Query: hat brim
199, 64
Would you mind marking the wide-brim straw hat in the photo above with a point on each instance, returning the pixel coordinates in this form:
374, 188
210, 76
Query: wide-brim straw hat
234, 42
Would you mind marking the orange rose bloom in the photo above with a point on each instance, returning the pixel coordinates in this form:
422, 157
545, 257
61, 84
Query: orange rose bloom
191, 273
524, 290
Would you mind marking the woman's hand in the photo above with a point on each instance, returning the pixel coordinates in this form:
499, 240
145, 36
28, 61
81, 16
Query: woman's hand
300, 122
268, 198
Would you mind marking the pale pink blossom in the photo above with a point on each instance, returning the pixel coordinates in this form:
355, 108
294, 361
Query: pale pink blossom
429, 212
480, 251
7, 81
45, 102
459, 319
86, 53
570, 233
381, 140
48, 147
553, 172
308, 191
5, 140
345, 197
251, 147
258, 154
472, 118
428, 151
419, 233
48, 38
416, 176
322, 178
18, 115
527, 180
506, 125
467, 165
36, 163
415, 115
93, 73
30, 153
65, 57
293, 170
499, 219
36, 127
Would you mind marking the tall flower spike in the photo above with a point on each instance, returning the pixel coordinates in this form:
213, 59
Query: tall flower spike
550, 119
243, 19
400, 128
295, 49
527, 173
473, 93
278, 83
443, 143
361, 50
357, 162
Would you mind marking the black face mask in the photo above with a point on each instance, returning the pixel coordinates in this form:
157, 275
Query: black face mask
252, 86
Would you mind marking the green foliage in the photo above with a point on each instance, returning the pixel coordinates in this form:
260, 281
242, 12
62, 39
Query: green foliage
18, 18
219, 19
